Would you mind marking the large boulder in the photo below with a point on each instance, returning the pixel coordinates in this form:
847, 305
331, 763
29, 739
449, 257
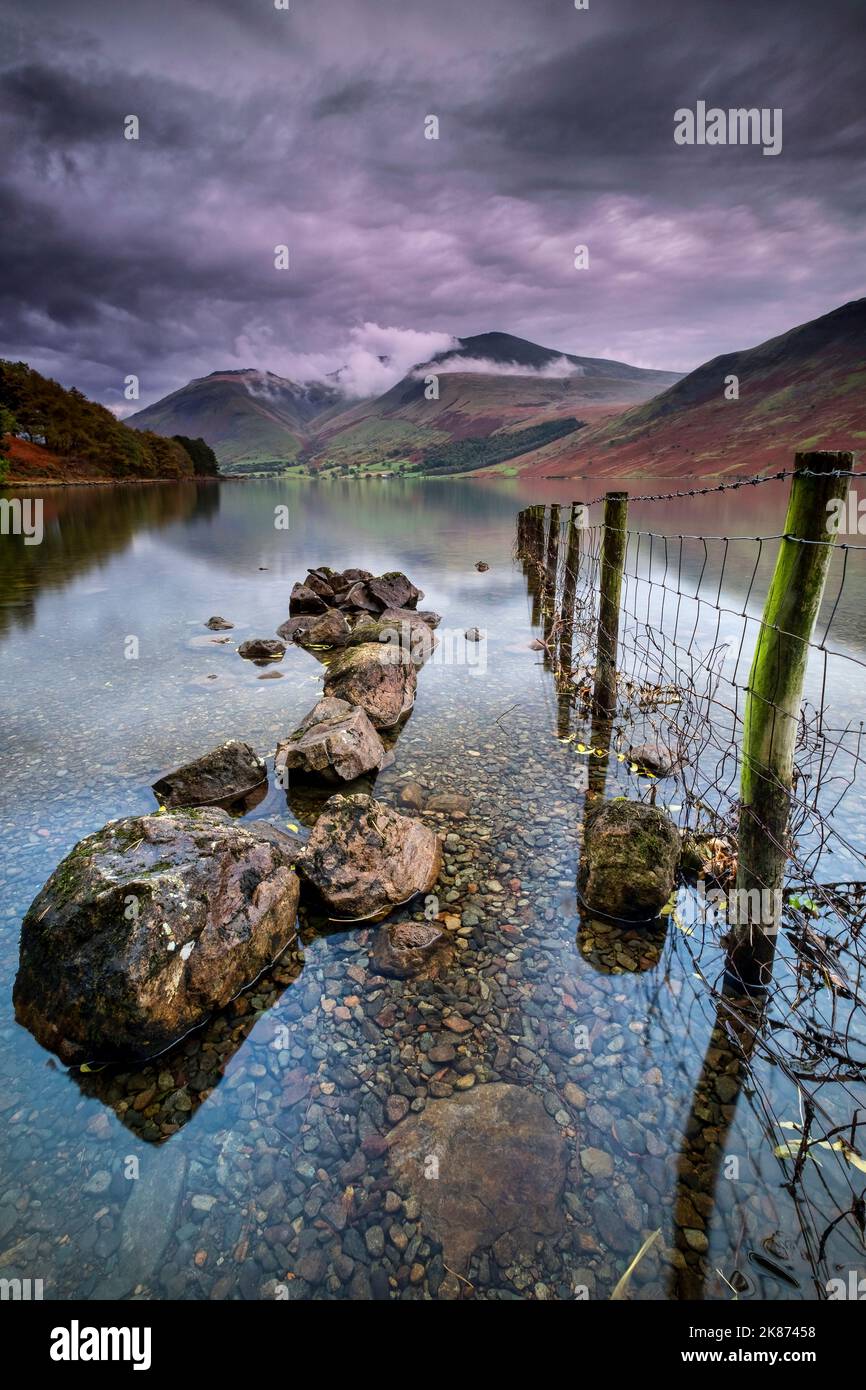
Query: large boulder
227, 773
411, 633
149, 925
380, 677
335, 740
630, 856
366, 859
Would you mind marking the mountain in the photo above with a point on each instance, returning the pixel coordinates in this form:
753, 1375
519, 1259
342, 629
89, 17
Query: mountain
490, 383
248, 417
504, 350
255, 420
54, 435
805, 389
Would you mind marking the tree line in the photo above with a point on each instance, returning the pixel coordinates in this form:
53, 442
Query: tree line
37, 409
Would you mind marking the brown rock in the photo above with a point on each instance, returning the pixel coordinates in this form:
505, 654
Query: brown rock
328, 629
394, 590
502, 1168
262, 649
381, 679
147, 927
227, 773
656, 758
303, 599
402, 949
218, 624
366, 859
630, 859
335, 741
412, 796
449, 803
456, 1024
411, 615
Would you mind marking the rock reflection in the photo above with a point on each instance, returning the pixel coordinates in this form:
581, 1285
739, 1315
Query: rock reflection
158, 1098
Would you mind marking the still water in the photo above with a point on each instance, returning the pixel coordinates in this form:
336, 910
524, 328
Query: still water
252, 1161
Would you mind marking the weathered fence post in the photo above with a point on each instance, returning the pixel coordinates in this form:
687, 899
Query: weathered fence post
553, 547
772, 713
613, 548
572, 561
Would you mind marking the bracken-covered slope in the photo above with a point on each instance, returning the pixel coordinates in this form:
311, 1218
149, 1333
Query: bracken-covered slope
255, 420
504, 389
805, 389
248, 417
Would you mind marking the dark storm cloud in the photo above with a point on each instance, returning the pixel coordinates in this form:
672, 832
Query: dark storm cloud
306, 127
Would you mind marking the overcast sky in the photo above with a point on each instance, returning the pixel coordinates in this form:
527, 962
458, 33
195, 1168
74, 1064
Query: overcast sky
306, 127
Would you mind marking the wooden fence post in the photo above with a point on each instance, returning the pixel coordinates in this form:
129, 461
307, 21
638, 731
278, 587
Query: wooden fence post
613, 548
553, 548
772, 714
572, 561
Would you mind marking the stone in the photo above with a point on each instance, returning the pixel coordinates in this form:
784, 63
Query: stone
147, 1225
449, 803
328, 629
359, 597
414, 616
403, 949
335, 741
481, 566
412, 796
262, 649
380, 678
147, 927
365, 859
218, 624
409, 632
473, 634
630, 858
394, 590
227, 773
655, 758
597, 1163
502, 1168
303, 599
575, 1095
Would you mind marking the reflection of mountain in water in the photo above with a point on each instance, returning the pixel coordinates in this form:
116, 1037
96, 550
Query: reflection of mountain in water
85, 526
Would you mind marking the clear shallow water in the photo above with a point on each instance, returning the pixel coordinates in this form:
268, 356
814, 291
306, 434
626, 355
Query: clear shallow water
250, 1161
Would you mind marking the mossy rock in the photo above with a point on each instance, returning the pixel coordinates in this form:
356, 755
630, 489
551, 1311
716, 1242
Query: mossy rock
630, 859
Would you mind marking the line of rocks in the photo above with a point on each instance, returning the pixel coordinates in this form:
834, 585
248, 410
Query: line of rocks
155, 921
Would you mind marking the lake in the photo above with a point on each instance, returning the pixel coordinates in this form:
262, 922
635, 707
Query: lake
251, 1161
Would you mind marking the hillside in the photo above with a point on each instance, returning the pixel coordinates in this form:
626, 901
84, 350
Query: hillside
258, 421
492, 382
54, 435
803, 389
249, 418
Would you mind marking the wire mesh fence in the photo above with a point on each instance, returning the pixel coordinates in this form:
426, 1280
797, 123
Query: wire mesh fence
678, 729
